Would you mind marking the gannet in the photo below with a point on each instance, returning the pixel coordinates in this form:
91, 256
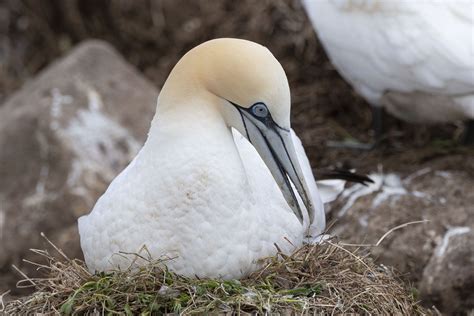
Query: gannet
221, 179
413, 58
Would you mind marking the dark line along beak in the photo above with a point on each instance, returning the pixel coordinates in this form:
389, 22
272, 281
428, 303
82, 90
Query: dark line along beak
276, 148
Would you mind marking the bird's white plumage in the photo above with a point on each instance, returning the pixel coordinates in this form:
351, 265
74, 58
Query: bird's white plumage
196, 192
416, 58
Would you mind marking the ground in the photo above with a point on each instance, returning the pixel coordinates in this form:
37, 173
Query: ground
153, 35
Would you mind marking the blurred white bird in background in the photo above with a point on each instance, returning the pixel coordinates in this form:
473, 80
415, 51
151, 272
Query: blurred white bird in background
198, 191
413, 58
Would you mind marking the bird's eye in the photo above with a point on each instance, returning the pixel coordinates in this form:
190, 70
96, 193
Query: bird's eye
259, 110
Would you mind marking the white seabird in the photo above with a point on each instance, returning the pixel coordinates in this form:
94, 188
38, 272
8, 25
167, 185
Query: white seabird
200, 192
413, 58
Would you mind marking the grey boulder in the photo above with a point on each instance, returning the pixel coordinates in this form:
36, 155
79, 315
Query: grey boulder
63, 137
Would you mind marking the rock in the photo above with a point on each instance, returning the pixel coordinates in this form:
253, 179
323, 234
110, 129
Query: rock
63, 137
448, 279
444, 199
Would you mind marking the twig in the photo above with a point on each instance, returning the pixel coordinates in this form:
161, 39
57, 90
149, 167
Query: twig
398, 227
26, 278
2, 304
350, 253
55, 247
384, 235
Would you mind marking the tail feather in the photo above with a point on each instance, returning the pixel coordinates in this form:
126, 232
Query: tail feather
341, 174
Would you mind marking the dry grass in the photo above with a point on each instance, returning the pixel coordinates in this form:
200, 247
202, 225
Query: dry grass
315, 279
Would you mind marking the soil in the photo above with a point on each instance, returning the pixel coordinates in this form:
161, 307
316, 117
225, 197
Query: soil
153, 35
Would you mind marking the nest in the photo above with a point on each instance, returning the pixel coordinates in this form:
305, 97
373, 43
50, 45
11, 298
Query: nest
326, 278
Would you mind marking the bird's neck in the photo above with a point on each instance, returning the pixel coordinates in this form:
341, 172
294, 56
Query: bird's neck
194, 118
190, 139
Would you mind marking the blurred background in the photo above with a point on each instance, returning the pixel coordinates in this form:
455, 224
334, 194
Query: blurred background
152, 35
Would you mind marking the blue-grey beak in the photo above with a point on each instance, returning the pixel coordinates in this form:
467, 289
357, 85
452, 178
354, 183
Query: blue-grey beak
275, 146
